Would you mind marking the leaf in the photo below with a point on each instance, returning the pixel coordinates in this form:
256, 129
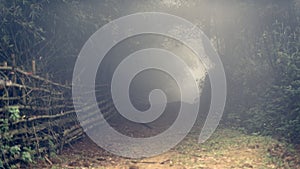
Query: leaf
14, 113
26, 157
15, 150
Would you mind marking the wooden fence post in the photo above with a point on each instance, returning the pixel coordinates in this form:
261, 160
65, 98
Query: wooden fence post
33, 64
13, 72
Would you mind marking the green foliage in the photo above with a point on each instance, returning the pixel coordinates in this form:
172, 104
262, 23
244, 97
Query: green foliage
4, 125
7, 147
19, 32
14, 150
14, 113
259, 46
264, 73
26, 157
278, 110
52, 151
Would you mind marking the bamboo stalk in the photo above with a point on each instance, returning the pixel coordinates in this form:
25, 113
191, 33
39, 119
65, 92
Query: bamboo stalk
34, 76
31, 88
33, 64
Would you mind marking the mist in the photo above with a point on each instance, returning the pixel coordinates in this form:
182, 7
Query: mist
51, 103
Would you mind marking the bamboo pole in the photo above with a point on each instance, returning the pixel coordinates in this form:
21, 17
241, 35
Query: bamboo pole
33, 64
14, 77
34, 76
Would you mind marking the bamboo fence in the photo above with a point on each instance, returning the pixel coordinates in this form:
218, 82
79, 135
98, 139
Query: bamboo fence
46, 119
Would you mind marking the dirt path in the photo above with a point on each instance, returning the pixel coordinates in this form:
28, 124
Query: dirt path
227, 149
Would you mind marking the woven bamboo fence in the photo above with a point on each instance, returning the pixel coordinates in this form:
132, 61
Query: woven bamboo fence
37, 115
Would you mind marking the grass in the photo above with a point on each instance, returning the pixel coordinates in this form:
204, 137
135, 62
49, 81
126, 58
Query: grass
233, 149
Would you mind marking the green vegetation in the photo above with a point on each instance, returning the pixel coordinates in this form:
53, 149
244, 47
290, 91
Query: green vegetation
269, 76
258, 42
9, 149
